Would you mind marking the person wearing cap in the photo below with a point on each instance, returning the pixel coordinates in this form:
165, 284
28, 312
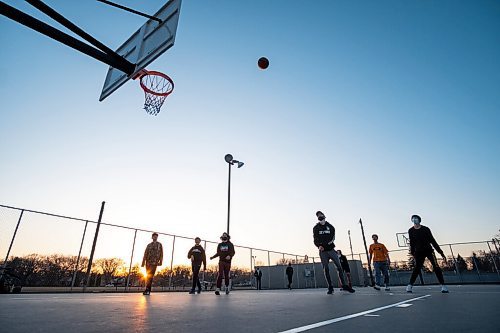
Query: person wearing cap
324, 236
380, 257
225, 252
198, 257
421, 243
153, 257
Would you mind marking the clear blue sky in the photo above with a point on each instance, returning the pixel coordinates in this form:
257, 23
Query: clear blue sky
369, 109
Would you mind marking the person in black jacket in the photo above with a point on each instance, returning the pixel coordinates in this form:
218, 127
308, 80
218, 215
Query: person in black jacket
345, 266
324, 235
289, 274
421, 243
225, 252
198, 257
258, 278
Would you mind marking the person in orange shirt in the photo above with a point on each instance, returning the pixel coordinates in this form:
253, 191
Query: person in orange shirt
381, 261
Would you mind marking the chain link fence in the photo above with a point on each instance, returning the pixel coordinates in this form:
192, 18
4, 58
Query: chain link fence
49, 252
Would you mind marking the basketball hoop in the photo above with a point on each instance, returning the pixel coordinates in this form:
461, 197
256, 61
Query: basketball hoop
157, 86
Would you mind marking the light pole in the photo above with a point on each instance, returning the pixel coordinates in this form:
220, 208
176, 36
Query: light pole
229, 159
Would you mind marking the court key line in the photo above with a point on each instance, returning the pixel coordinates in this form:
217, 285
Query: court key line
354, 315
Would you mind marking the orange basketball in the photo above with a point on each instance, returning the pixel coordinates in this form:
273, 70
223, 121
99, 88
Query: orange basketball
263, 63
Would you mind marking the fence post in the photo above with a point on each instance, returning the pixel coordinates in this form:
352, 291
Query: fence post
456, 265
251, 260
78, 259
314, 272
130, 266
269, 268
12, 241
203, 273
93, 246
297, 271
171, 265
284, 272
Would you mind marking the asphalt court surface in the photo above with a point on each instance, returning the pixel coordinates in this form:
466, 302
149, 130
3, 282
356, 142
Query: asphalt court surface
468, 308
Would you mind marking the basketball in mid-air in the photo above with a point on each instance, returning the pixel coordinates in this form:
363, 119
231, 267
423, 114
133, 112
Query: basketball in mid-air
263, 63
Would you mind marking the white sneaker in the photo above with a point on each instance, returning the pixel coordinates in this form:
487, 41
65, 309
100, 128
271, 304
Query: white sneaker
444, 289
387, 288
409, 288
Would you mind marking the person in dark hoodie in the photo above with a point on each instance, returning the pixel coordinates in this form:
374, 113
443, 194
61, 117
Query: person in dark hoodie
345, 267
421, 243
289, 274
258, 278
324, 236
198, 257
225, 252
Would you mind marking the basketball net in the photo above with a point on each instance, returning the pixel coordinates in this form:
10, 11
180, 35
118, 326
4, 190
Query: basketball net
157, 86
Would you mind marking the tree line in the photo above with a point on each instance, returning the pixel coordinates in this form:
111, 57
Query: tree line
57, 270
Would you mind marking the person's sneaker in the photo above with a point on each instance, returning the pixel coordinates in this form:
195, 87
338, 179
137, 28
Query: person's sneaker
227, 291
199, 291
387, 288
146, 292
191, 292
330, 291
376, 287
444, 289
409, 288
349, 289
217, 292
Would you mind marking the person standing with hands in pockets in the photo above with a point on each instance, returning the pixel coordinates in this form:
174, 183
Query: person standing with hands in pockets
324, 235
289, 275
225, 252
198, 257
381, 261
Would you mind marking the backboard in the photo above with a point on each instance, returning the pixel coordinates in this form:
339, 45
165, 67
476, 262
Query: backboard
403, 239
145, 45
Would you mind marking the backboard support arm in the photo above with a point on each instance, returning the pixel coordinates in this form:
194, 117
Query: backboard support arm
110, 58
131, 10
44, 8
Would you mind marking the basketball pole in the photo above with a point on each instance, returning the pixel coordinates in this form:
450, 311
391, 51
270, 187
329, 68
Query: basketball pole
367, 256
93, 247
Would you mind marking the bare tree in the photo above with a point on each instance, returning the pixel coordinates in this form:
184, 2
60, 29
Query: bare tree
108, 267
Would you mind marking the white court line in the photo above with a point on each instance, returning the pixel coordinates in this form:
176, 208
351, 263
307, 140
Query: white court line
404, 305
371, 315
354, 315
